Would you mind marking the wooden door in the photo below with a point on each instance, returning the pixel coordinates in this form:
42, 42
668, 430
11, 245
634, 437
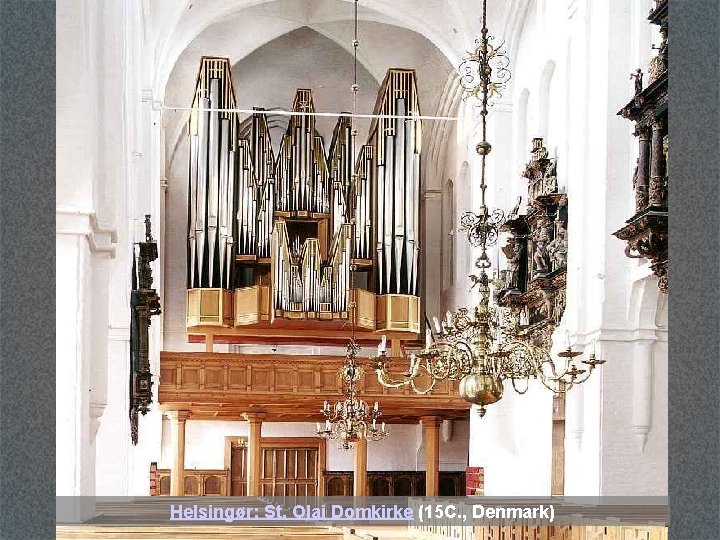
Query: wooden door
289, 471
290, 466
238, 468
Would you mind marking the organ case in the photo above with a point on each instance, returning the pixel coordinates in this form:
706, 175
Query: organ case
291, 239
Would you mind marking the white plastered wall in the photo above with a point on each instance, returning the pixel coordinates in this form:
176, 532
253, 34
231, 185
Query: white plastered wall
402, 450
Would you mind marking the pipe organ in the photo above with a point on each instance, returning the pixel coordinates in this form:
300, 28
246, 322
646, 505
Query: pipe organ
274, 240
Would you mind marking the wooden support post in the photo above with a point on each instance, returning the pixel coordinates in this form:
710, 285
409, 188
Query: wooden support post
209, 343
360, 468
431, 432
254, 455
396, 350
177, 430
557, 482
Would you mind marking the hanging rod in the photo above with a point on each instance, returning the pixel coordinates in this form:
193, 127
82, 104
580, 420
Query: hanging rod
300, 113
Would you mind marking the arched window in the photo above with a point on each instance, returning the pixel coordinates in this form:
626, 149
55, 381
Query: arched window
544, 99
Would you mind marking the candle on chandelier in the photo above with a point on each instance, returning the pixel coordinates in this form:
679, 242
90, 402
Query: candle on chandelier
327, 425
383, 345
317, 425
436, 322
377, 407
428, 337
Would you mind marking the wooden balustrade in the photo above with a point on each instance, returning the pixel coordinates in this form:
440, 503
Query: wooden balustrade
196, 482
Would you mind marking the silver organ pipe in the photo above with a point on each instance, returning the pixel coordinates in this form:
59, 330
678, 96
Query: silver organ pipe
192, 202
201, 197
361, 195
222, 194
387, 208
229, 210
341, 172
212, 195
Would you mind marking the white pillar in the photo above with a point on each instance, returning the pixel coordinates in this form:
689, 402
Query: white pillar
81, 251
642, 392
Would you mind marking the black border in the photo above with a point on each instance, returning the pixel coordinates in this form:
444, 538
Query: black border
694, 276
27, 272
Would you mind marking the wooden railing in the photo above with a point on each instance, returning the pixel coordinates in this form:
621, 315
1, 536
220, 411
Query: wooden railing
394, 483
196, 482
222, 386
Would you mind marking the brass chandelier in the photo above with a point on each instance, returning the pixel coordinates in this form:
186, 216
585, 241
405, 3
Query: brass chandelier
351, 419
485, 346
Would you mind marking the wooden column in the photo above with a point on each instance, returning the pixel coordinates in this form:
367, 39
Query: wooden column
431, 432
177, 433
557, 480
360, 468
642, 179
254, 455
656, 191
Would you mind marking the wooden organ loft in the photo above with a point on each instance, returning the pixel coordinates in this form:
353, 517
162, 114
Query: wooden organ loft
279, 245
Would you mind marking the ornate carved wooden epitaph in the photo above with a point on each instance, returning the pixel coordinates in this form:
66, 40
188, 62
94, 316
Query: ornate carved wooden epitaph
144, 303
646, 232
536, 250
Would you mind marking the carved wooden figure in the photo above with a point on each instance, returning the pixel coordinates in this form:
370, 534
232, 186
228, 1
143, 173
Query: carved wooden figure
536, 250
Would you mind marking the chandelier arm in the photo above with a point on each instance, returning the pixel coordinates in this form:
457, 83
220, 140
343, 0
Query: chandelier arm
527, 385
428, 390
561, 387
385, 380
583, 377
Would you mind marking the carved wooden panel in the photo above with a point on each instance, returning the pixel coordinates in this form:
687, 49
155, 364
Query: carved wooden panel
199, 483
394, 483
223, 385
